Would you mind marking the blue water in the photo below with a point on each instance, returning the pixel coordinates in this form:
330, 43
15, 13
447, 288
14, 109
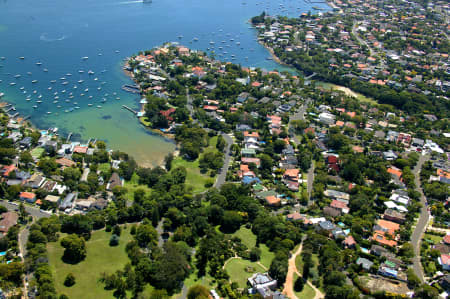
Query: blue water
59, 33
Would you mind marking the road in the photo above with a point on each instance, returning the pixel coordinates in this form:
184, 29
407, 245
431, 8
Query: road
23, 239
35, 212
222, 176
310, 182
424, 217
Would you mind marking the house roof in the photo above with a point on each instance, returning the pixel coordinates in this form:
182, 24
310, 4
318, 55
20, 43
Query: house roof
446, 239
395, 171
349, 241
389, 225
338, 204
380, 238
65, 162
292, 172
272, 200
28, 195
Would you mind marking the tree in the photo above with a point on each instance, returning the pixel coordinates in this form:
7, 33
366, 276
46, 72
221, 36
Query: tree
69, 280
168, 161
231, 221
426, 292
255, 254
299, 284
114, 240
75, 249
198, 292
26, 158
145, 235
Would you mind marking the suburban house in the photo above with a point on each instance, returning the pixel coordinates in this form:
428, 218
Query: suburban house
9, 219
27, 196
262, 284
114, 181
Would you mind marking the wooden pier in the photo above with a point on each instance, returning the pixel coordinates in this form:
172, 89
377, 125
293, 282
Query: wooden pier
68, 137
130, 109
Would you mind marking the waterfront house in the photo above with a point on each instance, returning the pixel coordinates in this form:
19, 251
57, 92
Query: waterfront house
114, 181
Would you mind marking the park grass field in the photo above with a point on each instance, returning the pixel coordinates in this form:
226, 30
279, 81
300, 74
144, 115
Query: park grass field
100, 258
238, 270
194, 177
132, 185
249, 239
307, 292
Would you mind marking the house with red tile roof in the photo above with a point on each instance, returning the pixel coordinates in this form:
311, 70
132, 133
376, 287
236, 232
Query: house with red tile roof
9, 219
7, 169
272, 200
340, 205
80, 149
27, 196
349, 242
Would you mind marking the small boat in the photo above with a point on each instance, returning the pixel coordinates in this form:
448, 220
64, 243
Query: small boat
80, 81
104, 71
49, 112
21, 58
17, 76
82, 94
53, 81
22, 88
195, 39
59, 106
68, 74
38, 63
67, 101
84, 58
95, 79
117, 98
45, 70
40, 96
63, 91
180, 36
39, 101
27, 99
1, 94
49, 88
56, 98
56, 101
2, 58
62, 78
90, 72
65, 83
75, 87
29, 73
81, 71
34, 81
86, 90
77, 107
12, 83
35, 106
99, 106
117, 51
99, 88
89, 104
90, 97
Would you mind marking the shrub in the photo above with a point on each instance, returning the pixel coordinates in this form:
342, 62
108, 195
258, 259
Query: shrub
70, 280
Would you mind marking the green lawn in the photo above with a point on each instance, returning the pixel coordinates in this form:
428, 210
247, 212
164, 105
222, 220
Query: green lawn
37, 152
195, 178
133, 184
307, 292
434, 238
347, 91
105, 167
100, 258
237, 269
249, 239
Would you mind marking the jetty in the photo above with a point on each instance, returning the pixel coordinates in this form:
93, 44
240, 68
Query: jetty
68, 137
130, 109
131, 88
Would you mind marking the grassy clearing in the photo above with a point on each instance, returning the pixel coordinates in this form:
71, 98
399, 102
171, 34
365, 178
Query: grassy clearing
307, 292
238, 269
249, 239
105, 167
100, 258
195, 178
348, 92
37, 152
133, 184
434, 238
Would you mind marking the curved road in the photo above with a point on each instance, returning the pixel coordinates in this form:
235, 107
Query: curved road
424, 217
35, 212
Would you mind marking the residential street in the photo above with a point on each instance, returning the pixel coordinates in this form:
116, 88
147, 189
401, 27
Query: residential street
222, 176
35, 212
422, 223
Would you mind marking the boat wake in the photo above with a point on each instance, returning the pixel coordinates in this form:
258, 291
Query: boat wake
44, 37
130, 2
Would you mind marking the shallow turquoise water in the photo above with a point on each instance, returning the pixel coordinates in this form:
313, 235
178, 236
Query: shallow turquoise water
59, 33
